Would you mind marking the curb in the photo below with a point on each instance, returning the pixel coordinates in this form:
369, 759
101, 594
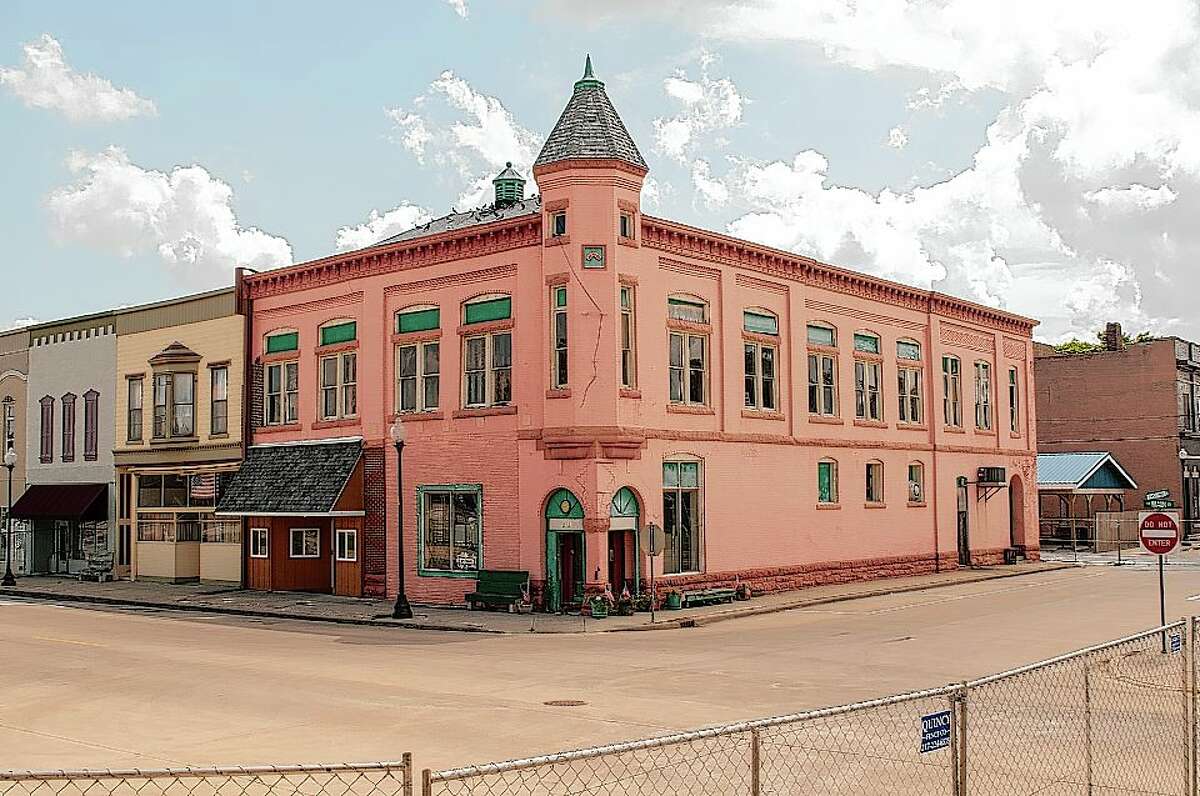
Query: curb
670, 624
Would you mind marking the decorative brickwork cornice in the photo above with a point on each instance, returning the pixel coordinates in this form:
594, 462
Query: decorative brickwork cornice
476, 241
701, 244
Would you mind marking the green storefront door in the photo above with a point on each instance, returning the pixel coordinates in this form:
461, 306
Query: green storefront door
564, 551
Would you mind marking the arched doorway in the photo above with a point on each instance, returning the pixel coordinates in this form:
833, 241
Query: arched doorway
564, 551
1016, 513
624, 560
964, 530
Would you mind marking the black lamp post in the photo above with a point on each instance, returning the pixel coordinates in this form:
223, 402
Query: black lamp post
401, 610
10, 461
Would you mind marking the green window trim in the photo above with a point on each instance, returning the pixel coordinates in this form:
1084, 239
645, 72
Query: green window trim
339, 333
284, 341
422, 489
497, 309
760, 323
418, 320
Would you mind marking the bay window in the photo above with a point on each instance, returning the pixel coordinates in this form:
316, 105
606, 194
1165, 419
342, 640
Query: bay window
133, 416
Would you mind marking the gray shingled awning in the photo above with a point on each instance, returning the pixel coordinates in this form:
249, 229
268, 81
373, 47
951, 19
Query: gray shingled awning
296, 479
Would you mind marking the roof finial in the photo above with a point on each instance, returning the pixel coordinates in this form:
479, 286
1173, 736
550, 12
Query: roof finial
589, 77
587, 68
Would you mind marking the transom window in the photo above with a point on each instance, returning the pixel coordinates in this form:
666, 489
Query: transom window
281, 393
866, 342
339, 385
868, 403
305, 543
687, 309
952, 391
418, 319
908, 349
451, 529
821, 335
281, 342
874, 482
558, 336
682, 516
339, 332
827, 481
418, 377
760, 322
628, 337
983, 396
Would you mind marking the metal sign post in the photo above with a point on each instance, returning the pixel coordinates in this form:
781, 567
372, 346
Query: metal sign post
1158, 531
652, 539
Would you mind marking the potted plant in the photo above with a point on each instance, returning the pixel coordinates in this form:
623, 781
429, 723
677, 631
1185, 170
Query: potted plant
673, 600
625, 603
642, 602
599, 607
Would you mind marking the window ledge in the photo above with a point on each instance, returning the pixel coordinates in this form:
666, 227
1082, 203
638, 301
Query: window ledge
558, 392
917, 504
696, 327
912, 427
829, 506
830, 420
987, 432
485, 411
690, 409
627, 392
870, 423
823, 349
416, 417
429, 335
760, 337
560, 240
867, 356
335, 423
763, 414
175, 440
1014, 435
954, 430
336, 348
277, 428
872, 505
911, 364
435, 573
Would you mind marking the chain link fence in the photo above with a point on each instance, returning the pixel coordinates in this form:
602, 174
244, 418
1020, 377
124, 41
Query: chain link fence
344, 779
1111, 719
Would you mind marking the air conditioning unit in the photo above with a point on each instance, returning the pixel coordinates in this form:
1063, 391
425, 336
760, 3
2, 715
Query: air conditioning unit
991, 476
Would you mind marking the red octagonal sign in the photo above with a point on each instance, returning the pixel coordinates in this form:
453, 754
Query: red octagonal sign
1158, 531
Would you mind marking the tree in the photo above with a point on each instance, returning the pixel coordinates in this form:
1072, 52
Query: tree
1077, 346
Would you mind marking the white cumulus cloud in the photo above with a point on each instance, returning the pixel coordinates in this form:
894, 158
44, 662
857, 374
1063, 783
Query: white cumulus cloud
185, 218
705, 104
460, 7
382, 225
46, 80
897, 138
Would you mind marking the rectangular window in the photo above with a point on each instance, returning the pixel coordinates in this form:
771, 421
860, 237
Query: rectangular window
867, 343
46, 454
162, 387
487, 370
822, 385
258, 543
907, 349
418, 320
558, 223
281, 393
558, 375
626, 225
760, 376
133, 421
284, 341
827, 482
909, 395
418, 369
339, 333
1014, 402
68, 428
684, 310
91, 425
760, 323
628, 339
682, 521
916, 483
339, 385
183, 405
497, 309
10, 425
305, 543
219, 400
687, 371
874, 482
868, 404
983, 396
821, 335
951, 392
347, 544
451, 528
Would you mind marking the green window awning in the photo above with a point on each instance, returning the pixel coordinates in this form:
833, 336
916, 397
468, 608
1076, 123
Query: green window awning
284, 341
418, 320
496, 309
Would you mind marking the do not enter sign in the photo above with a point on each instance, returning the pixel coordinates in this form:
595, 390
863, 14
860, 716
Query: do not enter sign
1158, 531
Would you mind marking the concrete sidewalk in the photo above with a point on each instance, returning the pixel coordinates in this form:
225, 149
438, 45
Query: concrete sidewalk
357, 611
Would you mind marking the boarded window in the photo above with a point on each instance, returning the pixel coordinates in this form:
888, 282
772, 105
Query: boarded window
496, 309
339, 333
284, 341
418, 320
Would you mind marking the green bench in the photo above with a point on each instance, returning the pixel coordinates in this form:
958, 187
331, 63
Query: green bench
707, 597
497, 588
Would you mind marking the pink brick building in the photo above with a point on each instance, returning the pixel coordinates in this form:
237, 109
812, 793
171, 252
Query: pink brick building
569, 369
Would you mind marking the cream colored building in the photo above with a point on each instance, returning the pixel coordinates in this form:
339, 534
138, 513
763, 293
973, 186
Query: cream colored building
180, 394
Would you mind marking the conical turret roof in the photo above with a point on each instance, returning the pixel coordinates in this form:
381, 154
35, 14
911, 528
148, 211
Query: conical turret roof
589, 128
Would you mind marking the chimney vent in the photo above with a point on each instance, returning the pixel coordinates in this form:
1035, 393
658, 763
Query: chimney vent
1114, 340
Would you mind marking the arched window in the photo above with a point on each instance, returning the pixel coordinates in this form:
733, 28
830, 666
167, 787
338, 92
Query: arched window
46, 452
827, 481
10, 424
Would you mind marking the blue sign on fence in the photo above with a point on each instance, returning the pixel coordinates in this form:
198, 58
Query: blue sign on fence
1176, 640
935, 731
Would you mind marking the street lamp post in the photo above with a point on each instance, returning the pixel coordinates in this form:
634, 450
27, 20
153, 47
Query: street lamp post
10, 461
401, 610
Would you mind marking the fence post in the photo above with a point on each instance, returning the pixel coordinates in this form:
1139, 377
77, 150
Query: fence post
406, 759
954, 744
755, 763
426, 783
958, 739
1189, 688
1087, 724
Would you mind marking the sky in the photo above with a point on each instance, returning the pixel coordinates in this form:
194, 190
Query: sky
1041, 156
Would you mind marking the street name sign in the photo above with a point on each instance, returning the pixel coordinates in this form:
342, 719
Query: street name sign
1158, 531
1158, 494
935, 731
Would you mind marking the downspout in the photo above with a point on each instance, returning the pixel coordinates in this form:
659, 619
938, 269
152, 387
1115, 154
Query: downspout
242, 304
933, 454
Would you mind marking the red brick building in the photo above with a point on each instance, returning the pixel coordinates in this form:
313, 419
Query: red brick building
1139, 401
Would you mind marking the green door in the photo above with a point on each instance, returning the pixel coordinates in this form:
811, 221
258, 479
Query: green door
564, 515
